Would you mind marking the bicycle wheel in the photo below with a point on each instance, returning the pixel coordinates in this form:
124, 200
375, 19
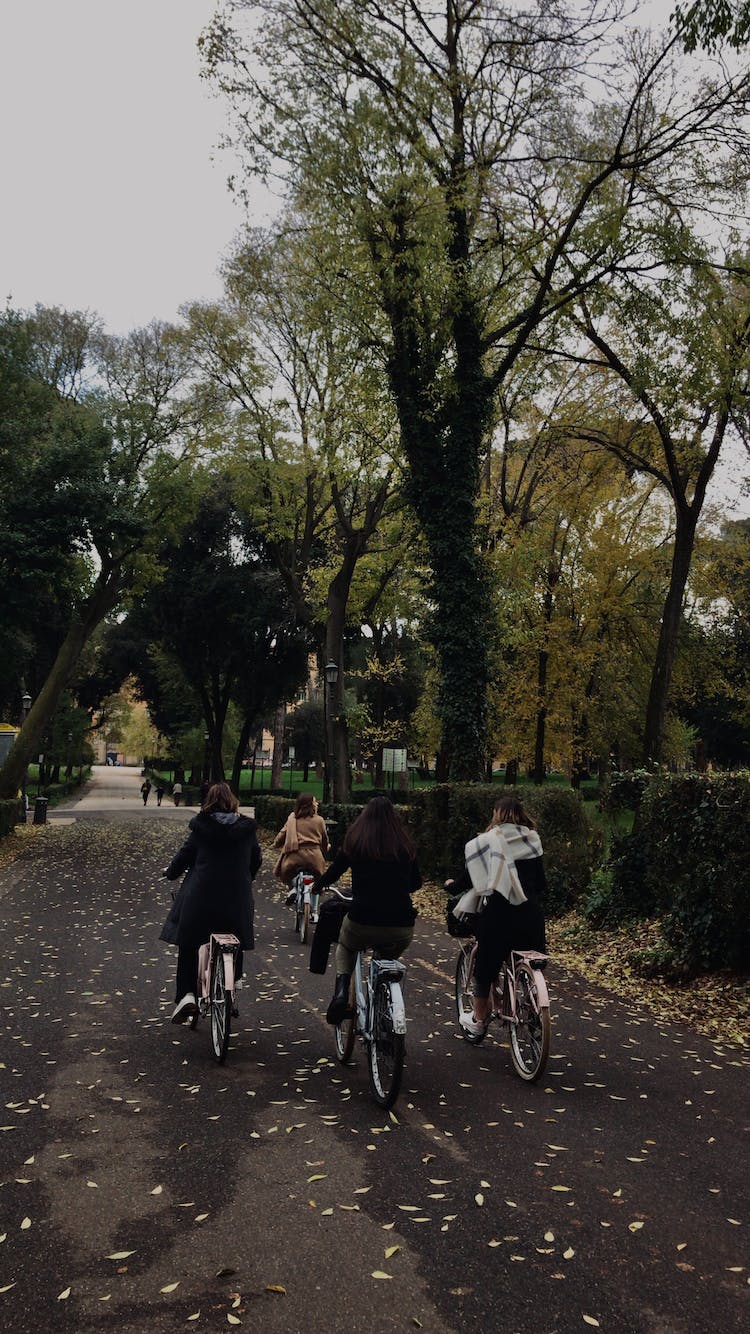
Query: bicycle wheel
465, 997
305, 924
345, 1032
221, 1009
530, 1032
385, 1053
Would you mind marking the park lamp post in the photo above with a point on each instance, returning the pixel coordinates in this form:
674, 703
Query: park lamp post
25, 709
331, 670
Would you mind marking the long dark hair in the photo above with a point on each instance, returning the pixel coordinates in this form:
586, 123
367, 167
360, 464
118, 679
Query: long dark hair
509, 810
303, 806
377, 835
220, 797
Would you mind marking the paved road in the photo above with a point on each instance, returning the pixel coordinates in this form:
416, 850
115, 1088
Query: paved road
614, 1195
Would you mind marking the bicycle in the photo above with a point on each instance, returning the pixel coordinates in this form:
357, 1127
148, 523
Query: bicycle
216, 986
519, 999
378, 1019
304, 903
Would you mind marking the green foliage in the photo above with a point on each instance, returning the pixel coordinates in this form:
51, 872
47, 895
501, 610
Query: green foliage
709, 23
688, 862
620, 891
624, 791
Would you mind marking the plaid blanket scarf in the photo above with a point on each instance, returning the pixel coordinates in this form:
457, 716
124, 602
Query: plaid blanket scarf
490, 861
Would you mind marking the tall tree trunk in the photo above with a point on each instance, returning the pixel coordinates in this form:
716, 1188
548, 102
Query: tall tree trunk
277, 771
26, 746
541, 717
661, 676
239, 754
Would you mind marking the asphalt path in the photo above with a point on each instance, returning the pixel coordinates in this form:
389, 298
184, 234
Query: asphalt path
146, 1188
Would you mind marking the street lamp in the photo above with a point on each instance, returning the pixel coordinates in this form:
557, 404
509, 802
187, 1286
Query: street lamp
331, 671
25, 708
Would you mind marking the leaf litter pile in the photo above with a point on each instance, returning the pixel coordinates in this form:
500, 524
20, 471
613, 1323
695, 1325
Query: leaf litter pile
147, 1175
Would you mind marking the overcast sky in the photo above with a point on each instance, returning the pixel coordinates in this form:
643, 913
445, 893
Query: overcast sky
110, 198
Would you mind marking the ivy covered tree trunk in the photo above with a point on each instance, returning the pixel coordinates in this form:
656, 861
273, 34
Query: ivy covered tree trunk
277, 772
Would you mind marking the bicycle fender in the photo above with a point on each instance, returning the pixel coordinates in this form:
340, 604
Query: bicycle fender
397, 1009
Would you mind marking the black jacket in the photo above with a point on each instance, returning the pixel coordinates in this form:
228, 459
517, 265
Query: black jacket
381, 891
216, 895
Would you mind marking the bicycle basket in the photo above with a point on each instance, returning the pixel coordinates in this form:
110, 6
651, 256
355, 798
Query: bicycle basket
462, 926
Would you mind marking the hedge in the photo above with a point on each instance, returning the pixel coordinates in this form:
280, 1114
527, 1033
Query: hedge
443, 818
10, 816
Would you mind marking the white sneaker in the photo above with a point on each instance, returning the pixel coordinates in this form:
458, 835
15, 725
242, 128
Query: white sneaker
185, 1009
471, 1025
313, 917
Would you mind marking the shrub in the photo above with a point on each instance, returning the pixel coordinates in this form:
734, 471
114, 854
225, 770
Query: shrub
695, 832
624, 791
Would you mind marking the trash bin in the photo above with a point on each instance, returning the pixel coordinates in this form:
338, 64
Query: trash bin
40, 810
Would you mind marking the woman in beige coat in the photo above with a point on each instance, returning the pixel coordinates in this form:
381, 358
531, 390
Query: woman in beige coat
303, 841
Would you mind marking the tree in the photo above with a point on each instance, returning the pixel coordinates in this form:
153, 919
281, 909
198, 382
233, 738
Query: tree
708, 23
679, 341
308, 435
132, 435
305, 731
475, 189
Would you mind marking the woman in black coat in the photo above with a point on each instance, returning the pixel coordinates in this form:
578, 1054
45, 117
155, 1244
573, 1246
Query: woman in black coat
222, 855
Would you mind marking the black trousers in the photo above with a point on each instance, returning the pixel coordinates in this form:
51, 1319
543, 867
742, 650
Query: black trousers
502, 926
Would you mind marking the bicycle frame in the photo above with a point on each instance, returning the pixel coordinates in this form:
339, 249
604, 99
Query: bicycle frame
504, 999
229, 945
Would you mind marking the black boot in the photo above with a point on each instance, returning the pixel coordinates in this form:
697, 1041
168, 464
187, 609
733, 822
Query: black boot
339, 1006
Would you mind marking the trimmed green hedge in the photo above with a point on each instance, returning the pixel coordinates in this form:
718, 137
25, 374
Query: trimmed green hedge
442, 819
10, 816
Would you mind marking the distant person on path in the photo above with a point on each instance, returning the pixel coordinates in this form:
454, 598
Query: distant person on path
176, 793
205, 789
145, 790
505, 872
159, 793
385, 874
222, 856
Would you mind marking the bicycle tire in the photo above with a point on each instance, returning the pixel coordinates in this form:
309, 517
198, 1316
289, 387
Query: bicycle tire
465, 998
345, 1032
385, 1051
530, 1031
221, 1009
305, 927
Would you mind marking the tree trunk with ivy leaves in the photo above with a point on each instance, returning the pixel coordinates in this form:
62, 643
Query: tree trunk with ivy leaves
661, 676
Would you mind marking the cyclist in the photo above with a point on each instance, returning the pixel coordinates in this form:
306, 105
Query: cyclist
303, 842
385, 874
505, 871
222, 855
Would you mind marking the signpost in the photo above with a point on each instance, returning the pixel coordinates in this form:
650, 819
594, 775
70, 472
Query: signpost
394, 762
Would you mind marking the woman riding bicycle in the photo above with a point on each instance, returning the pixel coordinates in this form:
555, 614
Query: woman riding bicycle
222, 854
303, 841
505, 871
385, 874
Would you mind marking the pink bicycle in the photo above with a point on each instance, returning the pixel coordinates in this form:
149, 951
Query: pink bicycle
519, 999
216, 968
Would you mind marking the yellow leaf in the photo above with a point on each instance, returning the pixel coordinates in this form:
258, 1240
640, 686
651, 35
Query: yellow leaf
394, 1118
170, 1287
326, 1212
479, 1199
157, 1190
408, 1208
194, 1316
120, 1255
318, 1176
276, 1287
549, 1236
92, 1185
682, 1246
591, 1321
8, 1287
378, 1273
233, 1320
391, 1250
634, 1227
486, 1184
568, 1255
25, 1224
63, 1296
201, 1218
567, 1188
494, 1243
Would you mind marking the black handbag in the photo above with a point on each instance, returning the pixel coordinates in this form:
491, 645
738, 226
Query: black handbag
463, 926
